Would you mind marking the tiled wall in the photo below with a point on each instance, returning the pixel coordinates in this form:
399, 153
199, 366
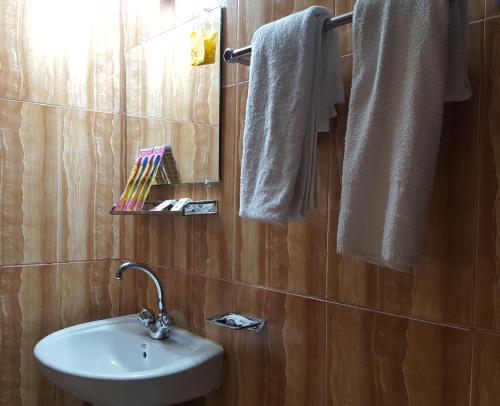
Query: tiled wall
60, 170
340, 332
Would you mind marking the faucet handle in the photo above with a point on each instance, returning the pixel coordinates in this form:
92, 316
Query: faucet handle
165, 319
146, 317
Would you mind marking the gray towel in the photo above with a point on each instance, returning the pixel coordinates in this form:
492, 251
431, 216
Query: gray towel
409, 58
294, 83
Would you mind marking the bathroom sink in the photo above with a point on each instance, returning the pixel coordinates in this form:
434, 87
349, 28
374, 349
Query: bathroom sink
114, 362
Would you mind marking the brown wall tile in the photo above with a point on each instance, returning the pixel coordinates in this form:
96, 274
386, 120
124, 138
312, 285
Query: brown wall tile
345, 32
74, 47
487, 310
28, 312
492, 8
374, 359
476, 9
213, 236
89, 185
28, 185
284, 364
486, 370
142, 22
87, 291
229, 40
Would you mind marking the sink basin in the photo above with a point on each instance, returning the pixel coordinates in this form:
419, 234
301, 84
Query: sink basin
114, 362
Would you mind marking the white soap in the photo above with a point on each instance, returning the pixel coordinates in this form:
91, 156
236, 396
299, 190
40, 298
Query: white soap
180, 204
164, 205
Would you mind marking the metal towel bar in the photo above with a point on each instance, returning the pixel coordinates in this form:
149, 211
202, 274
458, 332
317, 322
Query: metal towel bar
235, 55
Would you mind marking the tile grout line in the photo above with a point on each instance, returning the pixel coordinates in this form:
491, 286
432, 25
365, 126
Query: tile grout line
127, 115
53, 105
476, 231
55, 263
319, 299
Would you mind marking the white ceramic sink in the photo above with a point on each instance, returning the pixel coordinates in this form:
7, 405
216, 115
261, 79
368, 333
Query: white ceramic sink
114, 362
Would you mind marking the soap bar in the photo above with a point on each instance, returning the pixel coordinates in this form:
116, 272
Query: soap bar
180, 204
167, 204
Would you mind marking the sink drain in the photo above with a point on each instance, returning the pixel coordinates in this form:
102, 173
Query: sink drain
144, 347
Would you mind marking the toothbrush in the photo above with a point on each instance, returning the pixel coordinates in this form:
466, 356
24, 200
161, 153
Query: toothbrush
133, 173
140, 185
147, 184
145, 165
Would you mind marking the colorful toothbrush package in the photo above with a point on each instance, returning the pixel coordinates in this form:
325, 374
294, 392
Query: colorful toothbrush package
151, 166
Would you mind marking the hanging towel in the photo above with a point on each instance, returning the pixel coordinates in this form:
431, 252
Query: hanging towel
409, 58
295, 81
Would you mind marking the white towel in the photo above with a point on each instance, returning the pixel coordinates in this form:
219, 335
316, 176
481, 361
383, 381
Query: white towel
409, 58
294, 83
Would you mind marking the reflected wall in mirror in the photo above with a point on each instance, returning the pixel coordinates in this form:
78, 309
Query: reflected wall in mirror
171, 102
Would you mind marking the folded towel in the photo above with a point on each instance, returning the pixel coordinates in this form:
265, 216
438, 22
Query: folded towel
409, 58
294, 84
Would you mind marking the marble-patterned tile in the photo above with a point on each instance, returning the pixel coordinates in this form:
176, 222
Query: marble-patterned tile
476, 9
89, 185
28, 312
38, 302
487, 289
143, 21
161, 83
492, 8
485, 370
165, 241
441, 286
48, 151
28, 183
345, 32
229, 40
213, 236
143, 133
285, 363
375, 359
59, 52
10, 333
211, 297
196, 150
87, 291
254, 13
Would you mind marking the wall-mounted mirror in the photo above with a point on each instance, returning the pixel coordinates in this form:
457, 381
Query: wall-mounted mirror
171, 102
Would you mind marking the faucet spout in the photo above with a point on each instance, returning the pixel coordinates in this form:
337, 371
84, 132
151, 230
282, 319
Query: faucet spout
144, 268
158, 326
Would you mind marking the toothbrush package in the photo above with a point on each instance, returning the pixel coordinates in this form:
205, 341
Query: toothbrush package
151, 166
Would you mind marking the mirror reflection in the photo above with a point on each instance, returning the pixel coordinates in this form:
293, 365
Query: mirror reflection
173, 96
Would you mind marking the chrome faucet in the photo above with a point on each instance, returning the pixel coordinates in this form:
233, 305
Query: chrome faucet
159, 326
